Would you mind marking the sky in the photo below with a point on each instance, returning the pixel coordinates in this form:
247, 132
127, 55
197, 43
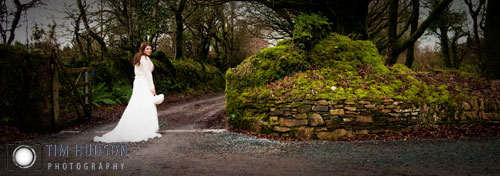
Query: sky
54, 11
43, 16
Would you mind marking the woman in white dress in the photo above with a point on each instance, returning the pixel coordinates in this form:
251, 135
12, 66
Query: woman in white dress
139, 121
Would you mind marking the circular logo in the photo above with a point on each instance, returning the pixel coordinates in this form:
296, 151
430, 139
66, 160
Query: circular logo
24, 156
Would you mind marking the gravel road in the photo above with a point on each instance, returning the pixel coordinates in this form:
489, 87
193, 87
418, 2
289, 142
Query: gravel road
192, 145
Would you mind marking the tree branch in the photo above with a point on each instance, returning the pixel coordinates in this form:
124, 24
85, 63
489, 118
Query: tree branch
425, 24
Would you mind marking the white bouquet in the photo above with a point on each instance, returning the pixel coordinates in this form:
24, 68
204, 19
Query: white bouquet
158, 99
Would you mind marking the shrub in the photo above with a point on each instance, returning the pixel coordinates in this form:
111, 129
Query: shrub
310, 28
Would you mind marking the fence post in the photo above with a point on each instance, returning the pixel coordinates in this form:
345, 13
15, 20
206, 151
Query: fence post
90, 90
86, 105
86, 79
55, 95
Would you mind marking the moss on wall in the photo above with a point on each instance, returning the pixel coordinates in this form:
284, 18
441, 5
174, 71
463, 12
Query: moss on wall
335, 68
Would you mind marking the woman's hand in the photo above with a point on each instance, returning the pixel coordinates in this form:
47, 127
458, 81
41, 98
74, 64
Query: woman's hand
153, 91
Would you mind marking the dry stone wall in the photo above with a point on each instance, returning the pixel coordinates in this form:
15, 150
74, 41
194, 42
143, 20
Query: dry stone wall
335, 120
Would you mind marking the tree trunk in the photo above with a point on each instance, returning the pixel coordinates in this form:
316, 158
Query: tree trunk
392, 32
179, 29
445, 47
205, 39
219, 63
410, 56
396, 47
17, 16
349, 18
455, 57
131, 37
205, 46
96, 37
77, 38
491, 50
475, 26
154, 29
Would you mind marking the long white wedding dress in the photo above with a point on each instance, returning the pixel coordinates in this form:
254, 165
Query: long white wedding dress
139, 121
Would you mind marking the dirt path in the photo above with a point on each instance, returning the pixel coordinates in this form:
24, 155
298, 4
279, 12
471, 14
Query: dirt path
193, 143
192, 115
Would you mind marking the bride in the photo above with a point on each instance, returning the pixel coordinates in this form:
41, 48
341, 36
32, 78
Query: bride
139, 121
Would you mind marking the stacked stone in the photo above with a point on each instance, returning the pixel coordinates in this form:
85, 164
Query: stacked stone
333, 120
479, 109
318, 118
475, 109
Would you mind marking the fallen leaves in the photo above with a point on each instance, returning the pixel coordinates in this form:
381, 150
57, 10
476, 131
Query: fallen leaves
452, 79
418, 132
436, 132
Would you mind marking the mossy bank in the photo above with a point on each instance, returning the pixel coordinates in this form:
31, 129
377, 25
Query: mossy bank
340, 86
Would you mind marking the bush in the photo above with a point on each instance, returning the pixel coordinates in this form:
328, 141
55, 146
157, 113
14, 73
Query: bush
26, 89
163, 60
309, 29
184, 75
118, 94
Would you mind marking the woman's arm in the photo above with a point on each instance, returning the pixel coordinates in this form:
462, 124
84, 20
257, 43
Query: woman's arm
146, 68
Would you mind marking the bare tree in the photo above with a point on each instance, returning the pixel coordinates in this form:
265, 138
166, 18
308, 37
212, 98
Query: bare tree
449, 27
475, 13
94, 35
268, 23
414, 26
5, 16
178, 7
76, 17
397, 45
378, 21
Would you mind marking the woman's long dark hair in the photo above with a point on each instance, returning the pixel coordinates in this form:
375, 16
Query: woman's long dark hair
137, 57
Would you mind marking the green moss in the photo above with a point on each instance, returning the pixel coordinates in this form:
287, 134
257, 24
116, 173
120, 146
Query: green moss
353, 68
308, 29
342, 48
185, 75
401, 69
285, 42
